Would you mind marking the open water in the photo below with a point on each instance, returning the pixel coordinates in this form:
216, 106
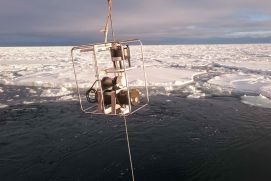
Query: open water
173, 139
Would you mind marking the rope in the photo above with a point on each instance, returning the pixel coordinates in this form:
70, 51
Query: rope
109, 17
111, 21
129, 149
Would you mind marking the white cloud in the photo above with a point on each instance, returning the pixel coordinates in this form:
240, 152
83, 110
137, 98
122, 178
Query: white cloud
252, 34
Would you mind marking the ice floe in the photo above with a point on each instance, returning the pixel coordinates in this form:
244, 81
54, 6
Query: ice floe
241, 83
260, 101
3, 106
57, 92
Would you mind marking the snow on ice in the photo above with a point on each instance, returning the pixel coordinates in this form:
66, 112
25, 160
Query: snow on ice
196, 71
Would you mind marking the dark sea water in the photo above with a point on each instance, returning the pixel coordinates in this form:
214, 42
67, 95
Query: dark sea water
173, 139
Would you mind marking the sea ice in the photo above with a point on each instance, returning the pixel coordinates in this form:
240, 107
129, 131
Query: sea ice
56, 92
260, 101
266, 91
28, 102
241, 83
195, 70
3, 106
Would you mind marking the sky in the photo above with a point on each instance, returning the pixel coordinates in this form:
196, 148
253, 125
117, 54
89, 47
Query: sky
71, 22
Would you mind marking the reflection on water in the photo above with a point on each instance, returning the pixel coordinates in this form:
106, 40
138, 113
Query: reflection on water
172, 139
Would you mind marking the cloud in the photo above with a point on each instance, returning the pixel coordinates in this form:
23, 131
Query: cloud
252, 34
78, 21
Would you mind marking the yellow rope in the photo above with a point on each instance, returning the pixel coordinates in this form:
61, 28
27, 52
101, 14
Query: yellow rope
129, 150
